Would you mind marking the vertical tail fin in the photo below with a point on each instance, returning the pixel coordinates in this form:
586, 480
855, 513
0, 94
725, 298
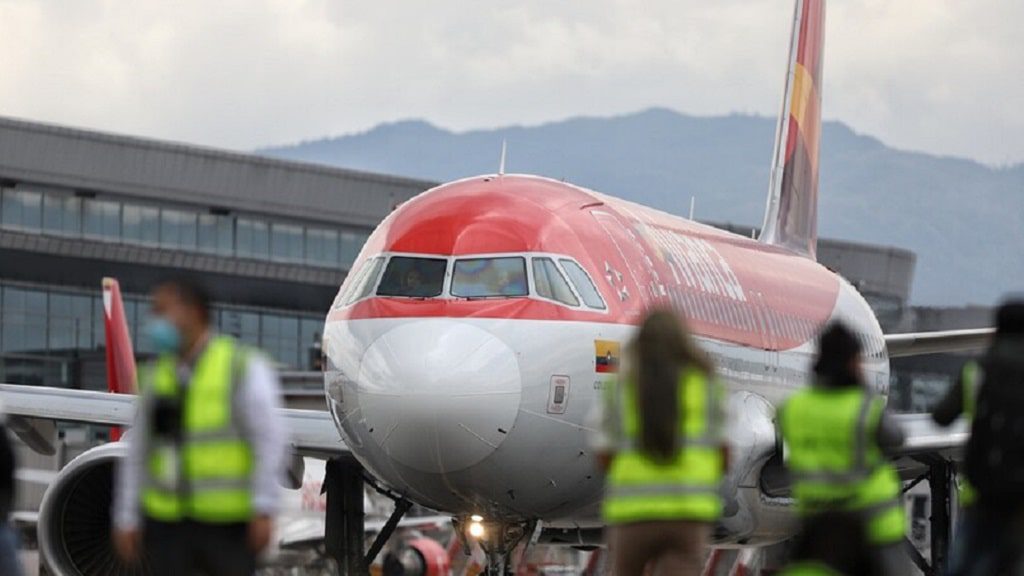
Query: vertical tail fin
120, 356
791, 220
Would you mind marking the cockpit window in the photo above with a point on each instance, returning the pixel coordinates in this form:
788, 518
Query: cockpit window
363, 284
584, 285
413, 277
490, 277
355, 275
551, 284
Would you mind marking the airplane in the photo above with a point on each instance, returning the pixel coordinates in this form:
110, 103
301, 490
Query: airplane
485, 316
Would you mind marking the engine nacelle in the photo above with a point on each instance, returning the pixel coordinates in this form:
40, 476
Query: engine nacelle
751, 516
417, 557
74, 517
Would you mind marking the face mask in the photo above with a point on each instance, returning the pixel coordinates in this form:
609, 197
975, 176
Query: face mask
164, 335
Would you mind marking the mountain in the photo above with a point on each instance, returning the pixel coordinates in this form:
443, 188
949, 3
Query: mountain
964, 220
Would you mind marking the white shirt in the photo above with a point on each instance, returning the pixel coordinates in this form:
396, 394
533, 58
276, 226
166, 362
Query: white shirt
258, 405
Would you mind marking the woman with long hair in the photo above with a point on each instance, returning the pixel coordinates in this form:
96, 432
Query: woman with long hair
664, 453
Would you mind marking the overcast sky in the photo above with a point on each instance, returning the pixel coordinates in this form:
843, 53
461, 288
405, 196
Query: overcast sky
943, 76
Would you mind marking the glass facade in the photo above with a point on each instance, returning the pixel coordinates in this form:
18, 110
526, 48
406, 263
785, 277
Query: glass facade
141, 225
46, 323
63, 213
216, 234
286, 242
69, 322
177, 229
351, 244
253, 239
321, 245
24, 322
21, 209
101, 219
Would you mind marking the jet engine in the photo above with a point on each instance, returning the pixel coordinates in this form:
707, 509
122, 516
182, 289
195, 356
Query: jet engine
417, 557
74, 517
753, 515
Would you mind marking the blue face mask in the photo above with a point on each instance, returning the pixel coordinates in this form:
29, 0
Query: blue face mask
164, 335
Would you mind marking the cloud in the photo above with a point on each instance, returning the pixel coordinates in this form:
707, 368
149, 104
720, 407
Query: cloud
934, 75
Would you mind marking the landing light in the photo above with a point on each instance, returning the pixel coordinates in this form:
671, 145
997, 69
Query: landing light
476, 527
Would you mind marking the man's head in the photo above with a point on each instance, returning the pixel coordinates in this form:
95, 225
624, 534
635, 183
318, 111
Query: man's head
181, 314
412, 278
838, 362
1010, 318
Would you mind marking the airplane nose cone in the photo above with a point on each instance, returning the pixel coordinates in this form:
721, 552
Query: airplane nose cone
439, 395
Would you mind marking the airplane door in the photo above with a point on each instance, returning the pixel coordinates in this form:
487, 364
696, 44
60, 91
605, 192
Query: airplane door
632, 271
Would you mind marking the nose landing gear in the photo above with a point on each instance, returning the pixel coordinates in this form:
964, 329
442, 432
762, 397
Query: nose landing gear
497, 538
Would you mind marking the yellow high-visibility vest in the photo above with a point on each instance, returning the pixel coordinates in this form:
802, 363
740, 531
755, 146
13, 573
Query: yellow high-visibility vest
835, 461
207, 477
685, 487
966, 493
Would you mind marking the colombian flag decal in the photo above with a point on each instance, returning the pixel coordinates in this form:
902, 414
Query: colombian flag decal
606, 356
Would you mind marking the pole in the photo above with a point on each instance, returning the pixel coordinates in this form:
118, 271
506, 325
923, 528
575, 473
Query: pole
940, 483
401, 507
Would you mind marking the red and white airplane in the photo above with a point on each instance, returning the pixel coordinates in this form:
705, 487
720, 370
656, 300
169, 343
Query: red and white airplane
486, 315
483, 318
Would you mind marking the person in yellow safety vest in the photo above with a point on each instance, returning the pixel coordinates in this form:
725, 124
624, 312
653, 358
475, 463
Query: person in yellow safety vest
836, 435
661, 445
961, 399
199, 486
989, 529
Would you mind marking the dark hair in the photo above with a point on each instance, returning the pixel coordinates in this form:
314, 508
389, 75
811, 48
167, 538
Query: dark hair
661, 349
837, 349
1010, 318
190, 291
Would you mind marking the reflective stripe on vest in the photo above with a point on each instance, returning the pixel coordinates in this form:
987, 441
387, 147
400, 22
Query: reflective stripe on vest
970, 382
641, 488
835, 463
207, 477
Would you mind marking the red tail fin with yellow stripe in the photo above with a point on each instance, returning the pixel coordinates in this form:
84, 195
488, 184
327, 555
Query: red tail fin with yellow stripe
791, 220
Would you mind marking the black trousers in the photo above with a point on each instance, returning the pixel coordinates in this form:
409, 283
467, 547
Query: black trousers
189, 547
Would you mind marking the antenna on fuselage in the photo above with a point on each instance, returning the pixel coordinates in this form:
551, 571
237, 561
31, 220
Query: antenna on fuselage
693, 204
501, 165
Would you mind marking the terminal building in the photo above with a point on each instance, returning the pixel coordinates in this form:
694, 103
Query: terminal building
273, 240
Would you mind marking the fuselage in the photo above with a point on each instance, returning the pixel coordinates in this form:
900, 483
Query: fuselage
483, 317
